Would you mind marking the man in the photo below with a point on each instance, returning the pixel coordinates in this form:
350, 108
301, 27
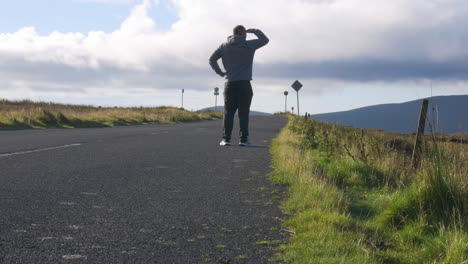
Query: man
237, 55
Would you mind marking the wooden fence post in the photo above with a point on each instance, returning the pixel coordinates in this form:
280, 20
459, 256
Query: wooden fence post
417, 151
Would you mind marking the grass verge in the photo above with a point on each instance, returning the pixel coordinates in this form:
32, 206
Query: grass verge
352, 198
27, 115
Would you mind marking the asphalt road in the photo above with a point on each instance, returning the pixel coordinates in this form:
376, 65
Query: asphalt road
141, 194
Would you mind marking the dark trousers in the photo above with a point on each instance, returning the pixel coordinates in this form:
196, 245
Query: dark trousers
237, 96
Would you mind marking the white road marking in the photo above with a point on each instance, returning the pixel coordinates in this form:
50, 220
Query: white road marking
73, 257
67, 203
75, 227
89, 193
97, 247
129, 252
145, 230
38, 150
238, 160
159, 133
46, 238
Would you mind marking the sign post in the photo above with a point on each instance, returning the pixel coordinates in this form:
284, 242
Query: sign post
297, 86
286, 101
183, 98
216, 93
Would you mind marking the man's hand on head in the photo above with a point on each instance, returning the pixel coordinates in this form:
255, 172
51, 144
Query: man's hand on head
251, 30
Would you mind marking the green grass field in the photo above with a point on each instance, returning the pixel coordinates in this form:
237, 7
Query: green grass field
353, 197
27, 114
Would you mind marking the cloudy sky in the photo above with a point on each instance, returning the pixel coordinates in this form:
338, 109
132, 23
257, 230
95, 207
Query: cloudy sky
347, 53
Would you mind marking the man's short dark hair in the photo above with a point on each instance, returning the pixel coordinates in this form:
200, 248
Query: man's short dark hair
239, 30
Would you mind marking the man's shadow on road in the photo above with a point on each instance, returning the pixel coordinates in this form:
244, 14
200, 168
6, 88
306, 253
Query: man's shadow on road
254, 146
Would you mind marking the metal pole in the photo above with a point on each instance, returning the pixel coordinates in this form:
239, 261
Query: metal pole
298, 103
216, 93
285, 104
286, 101
182, 98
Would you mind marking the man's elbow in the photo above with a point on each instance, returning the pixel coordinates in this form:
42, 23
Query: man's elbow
263, 42
264, 39
213, 59
212, 62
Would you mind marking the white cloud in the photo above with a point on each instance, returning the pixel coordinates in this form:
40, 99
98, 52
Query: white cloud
306, 37
112, 1
301, 31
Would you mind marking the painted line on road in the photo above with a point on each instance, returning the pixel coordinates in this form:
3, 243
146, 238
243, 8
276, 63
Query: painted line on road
38, 150
160, 133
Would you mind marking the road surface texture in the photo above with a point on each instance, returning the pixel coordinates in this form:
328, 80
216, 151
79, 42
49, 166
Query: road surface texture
140, 194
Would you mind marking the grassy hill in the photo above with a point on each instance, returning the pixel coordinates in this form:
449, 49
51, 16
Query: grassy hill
28, 114
354, 197
446, 114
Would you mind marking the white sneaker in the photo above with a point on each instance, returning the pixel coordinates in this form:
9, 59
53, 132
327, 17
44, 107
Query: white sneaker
225, 142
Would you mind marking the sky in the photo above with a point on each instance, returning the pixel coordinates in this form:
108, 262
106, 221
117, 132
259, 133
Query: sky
346, 53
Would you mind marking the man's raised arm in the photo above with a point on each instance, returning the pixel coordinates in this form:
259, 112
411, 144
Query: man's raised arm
261, 40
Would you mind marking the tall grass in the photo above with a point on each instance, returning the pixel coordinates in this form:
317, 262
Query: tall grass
28, 114
355, 199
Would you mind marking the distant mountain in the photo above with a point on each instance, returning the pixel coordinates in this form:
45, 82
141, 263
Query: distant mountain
221, 109
448, 113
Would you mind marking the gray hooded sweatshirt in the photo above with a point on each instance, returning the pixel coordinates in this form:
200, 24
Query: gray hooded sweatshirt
237, 55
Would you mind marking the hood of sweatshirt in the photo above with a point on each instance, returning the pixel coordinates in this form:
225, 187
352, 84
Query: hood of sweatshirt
235, 39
